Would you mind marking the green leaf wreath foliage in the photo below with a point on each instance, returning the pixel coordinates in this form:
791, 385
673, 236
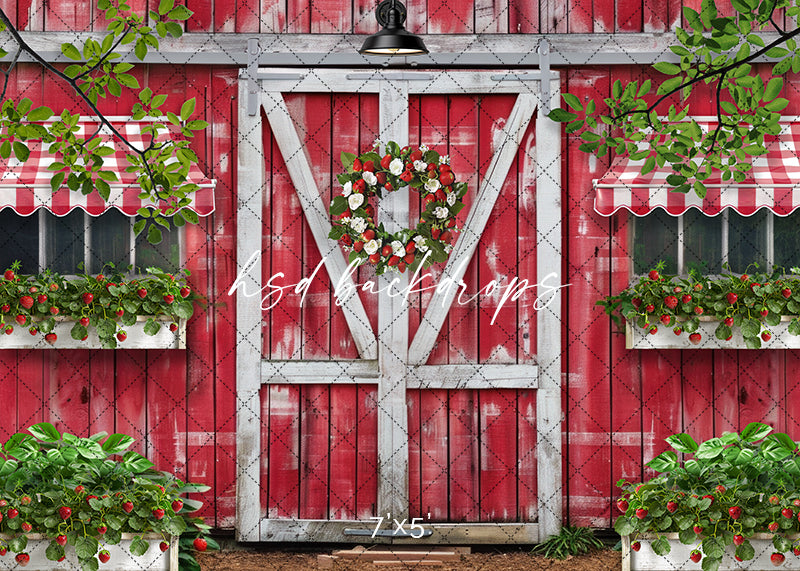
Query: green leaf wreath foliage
636, 122
162, 168
718, 493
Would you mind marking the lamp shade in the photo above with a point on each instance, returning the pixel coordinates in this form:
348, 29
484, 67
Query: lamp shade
393, 39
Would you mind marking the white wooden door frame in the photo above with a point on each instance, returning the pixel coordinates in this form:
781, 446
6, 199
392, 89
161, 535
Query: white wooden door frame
387, 359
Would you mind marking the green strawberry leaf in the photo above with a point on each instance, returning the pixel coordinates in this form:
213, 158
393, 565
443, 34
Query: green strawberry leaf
86, 546
623, 526
139, 546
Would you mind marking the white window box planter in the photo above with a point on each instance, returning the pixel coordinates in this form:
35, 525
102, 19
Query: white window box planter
121, 558
678, 558
664, 338
21, 338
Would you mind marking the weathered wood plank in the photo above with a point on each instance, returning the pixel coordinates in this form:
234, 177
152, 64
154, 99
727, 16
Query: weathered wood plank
443, 533
393, 327
367, 452
464, 462
343, 479
284, 465
317, 216
314, 451
549, 216
248, 323
479, 214
498, 455
434, 460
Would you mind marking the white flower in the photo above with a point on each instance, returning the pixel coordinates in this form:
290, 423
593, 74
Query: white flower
396, 167
347, 189
420, 242
422, 247
451, 199
398, 249
370, 178
441, 212
432, 185
371, 247
444, 160
359, 225
424, 148
447, 249
345, 221
355, 200
420, 166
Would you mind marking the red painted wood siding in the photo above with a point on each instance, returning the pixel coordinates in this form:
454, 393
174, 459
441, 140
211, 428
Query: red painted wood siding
358, 16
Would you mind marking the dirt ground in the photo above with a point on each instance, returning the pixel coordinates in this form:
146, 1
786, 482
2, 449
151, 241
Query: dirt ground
505, 560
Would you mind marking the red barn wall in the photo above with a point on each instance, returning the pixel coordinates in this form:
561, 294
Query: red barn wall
618, 404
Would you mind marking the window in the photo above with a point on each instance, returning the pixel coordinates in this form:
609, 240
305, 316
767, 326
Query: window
60, 243
707, 243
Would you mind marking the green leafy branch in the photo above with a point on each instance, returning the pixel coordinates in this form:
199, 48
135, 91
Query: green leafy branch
711, 49
162, 167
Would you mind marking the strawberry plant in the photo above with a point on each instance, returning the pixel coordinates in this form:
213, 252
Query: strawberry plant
107, 302
718, 493
751, 302
77, 492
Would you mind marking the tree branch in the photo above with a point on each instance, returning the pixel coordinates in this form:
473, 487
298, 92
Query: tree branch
721, 71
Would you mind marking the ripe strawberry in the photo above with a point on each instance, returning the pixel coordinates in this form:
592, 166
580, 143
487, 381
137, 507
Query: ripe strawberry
3, 503
51, 338
79, 489
653, 330
3, 551
185, 291
735, 512
764, 312
765, 336
54, 310
100, 277
9, 329
729, 321
774, 500
158, 513
21, 319
200, 544
26, 526
732, 297
374, 258
796, 550
622, 505
121, 336
786, 292
650, 308
698, 529
33, 331
127, 507
141, 292
177, 506
698, 310
787, 513
9, 275
386, 251
163, 546
777, 559
12, 513
665, 319
5, 308
101, 529
85, 321
91, 497
87, 298
41, 298
104, 556
773, 526
65, 512
173, 327
23, 559
61, 540
169, 298
686, 298
720, 489
738, 539
26, 301
641, 513
672, 506
698, 287
53, 287
636, 301
636, 546
695, 338
744, 277
677, 331
120, 312
796, 502
671, 301
695, 556
653, 275
368, 235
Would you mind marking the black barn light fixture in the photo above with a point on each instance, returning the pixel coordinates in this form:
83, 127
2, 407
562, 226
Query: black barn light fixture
393, 39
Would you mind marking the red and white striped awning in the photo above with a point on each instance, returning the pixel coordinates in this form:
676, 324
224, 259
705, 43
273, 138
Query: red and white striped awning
772, 183
25, 187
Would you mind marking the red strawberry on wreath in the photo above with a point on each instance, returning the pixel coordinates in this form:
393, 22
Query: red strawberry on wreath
369, 178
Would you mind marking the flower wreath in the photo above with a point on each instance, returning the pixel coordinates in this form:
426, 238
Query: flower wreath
368, 175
